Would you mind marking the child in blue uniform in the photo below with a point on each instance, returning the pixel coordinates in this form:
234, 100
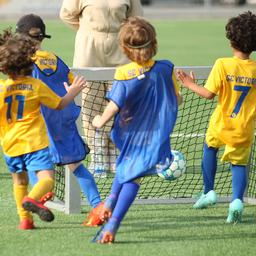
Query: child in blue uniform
66, 145
144, 100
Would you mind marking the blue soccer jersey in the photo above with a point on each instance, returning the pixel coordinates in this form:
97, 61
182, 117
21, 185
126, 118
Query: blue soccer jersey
66, 145
147, 98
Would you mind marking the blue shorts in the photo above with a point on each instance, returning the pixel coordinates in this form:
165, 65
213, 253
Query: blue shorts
35, 161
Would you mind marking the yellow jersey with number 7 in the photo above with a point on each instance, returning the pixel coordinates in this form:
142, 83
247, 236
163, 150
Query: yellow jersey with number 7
233, 120
22, 127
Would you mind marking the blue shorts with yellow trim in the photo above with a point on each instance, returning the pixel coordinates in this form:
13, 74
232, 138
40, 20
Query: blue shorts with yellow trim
35, 161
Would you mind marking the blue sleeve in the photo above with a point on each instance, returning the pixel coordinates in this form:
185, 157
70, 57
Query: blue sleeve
117, 94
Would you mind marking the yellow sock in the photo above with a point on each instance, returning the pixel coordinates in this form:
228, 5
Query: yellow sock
20, 191
41, 188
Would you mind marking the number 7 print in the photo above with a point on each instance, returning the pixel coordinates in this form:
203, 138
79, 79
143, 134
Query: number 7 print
244, 90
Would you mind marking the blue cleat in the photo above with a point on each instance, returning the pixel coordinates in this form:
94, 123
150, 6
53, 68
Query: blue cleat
235, 211
205, 200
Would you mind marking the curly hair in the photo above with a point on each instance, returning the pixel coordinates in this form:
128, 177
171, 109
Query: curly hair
241, 31
15, 54
137, 37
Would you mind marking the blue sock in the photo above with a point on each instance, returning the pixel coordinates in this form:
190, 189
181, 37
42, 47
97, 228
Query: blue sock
112, 198
32, 178
88, 185
209, 167
125, 199
239, 177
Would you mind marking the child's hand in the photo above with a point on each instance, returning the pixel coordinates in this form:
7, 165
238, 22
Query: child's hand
185, 79
96, 122
78, 85
73, 90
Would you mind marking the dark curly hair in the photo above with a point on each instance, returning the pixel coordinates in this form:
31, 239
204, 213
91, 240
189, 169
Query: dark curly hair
241, 31
15, 54
137, 37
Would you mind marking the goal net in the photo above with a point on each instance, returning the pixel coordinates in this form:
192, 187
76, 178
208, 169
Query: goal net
188, 137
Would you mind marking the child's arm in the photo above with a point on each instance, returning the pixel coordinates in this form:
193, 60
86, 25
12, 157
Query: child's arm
177, 89
189, 82
100, 120
73, 90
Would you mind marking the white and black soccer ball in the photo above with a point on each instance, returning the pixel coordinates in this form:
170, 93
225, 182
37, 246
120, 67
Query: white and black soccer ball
176, 169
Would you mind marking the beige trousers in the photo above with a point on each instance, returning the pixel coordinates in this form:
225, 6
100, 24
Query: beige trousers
102, 151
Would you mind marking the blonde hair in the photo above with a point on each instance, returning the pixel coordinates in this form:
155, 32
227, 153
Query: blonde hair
137, 37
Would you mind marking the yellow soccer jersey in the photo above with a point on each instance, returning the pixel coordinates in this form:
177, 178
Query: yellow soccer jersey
47, 60
22, 128
234, 81
133, 69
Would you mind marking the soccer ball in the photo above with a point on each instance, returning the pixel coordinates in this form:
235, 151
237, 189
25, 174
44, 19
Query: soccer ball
176, 169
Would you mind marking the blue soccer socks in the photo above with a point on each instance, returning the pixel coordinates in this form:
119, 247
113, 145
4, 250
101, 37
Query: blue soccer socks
87, 185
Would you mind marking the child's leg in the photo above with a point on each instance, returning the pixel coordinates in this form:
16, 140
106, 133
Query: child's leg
20, 190
209, 167
44, 185
111, 200
125, 199
32, 178
103, 211
238, 187
239, 178
87, 183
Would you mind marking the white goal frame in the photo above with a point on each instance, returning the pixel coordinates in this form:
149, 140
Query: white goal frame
72, 202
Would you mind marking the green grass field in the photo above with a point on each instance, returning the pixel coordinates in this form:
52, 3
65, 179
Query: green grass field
147, 229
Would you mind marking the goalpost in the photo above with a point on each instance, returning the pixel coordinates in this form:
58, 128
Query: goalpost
187, 137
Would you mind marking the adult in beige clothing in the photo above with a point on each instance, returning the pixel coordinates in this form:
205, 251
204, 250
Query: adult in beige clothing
97, 24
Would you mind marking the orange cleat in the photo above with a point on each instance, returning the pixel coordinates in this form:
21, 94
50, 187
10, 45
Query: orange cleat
106, 237
37, 207
26, 224
93, 219
48, 196
107, 233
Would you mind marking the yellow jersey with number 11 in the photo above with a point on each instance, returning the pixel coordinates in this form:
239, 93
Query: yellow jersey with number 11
22, 127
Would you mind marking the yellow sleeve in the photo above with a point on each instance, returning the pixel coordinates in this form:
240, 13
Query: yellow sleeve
175, 84
71, 77
119, 74
48, 97
214, 81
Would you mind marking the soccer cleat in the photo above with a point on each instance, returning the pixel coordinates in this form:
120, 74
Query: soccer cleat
37, 207
93, 219
48, 196
26, 224
235, 211
206, 200
106, 235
